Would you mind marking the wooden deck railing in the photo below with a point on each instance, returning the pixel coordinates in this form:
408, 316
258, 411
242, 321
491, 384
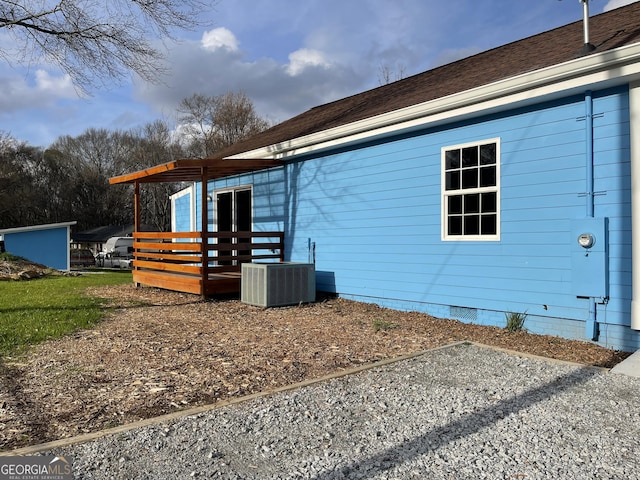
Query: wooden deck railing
185, 261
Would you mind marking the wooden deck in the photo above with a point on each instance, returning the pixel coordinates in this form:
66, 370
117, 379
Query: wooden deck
186, 262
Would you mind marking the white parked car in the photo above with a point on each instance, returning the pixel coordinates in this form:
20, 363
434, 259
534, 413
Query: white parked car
111, 260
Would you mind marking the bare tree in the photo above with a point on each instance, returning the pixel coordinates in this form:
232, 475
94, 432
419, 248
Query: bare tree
70, 179
55, 180
196, 113
94, 156
386, 75
211, 123
15, 182
156, 146
96, 40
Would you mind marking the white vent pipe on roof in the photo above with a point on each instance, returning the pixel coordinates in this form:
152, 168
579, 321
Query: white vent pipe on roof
587, 46
585, 20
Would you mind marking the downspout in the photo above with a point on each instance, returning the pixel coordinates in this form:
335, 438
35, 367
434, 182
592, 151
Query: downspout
634, 130
591, 328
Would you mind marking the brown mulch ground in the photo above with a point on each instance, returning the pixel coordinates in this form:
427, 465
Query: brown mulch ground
160, 351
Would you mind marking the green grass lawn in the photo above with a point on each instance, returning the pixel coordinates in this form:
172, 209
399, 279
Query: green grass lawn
36, 310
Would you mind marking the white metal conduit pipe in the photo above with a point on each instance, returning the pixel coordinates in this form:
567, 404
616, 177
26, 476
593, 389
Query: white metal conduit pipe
634, 127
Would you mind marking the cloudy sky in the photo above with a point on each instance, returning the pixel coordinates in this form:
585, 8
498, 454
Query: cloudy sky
286, 55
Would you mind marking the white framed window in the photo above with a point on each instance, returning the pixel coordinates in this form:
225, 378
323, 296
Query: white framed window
471, 191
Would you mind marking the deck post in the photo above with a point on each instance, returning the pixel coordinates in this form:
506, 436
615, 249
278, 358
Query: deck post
136, 207
136, 221
205, 231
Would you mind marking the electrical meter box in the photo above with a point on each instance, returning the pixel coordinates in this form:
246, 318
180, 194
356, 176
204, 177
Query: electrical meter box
589, 257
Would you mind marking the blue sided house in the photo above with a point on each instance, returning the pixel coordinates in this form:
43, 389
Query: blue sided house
44, 244
508, 181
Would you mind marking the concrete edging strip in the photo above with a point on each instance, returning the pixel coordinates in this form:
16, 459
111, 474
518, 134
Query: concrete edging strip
88, 437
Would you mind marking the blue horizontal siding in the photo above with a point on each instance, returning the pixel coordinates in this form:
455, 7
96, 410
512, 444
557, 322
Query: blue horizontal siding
182, 213
374, 213
48, 246
612, 173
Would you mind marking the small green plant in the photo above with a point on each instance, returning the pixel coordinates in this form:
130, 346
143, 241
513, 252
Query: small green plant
515, 321
10, 257
383, 325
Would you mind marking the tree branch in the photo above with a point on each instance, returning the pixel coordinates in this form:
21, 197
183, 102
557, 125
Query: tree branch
97, 40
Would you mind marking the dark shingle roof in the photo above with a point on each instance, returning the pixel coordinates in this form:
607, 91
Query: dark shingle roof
609, 30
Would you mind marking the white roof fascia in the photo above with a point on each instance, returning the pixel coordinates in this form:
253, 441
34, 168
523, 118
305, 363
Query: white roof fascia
33, 228
181, 193
614, 67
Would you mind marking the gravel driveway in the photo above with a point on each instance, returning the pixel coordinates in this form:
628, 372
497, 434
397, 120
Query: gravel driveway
460, 412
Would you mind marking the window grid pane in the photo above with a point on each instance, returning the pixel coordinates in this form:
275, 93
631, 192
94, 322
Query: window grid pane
472, 203
455, 225
489, 224
452, 180
472, 225
469, 178
488, 176
452, 159
469, 157
489, 202
488, 154
455, 205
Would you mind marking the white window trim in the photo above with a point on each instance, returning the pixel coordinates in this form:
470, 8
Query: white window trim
443, 194
190, 190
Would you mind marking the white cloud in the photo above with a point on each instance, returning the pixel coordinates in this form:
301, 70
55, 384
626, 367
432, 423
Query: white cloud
219, 38
279, 90
303, 58
611, 4
60, 87
45, 90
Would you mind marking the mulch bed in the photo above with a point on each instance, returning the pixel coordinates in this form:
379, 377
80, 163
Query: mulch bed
159, 352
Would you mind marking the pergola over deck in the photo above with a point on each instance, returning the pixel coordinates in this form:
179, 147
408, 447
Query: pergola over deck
205, 262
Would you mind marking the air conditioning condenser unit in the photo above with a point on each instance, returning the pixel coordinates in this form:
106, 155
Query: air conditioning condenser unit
278, 284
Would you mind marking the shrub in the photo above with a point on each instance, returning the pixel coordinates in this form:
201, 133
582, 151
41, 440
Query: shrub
10, 257
515, 321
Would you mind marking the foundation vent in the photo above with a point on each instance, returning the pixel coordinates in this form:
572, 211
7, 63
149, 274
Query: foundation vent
464, 313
